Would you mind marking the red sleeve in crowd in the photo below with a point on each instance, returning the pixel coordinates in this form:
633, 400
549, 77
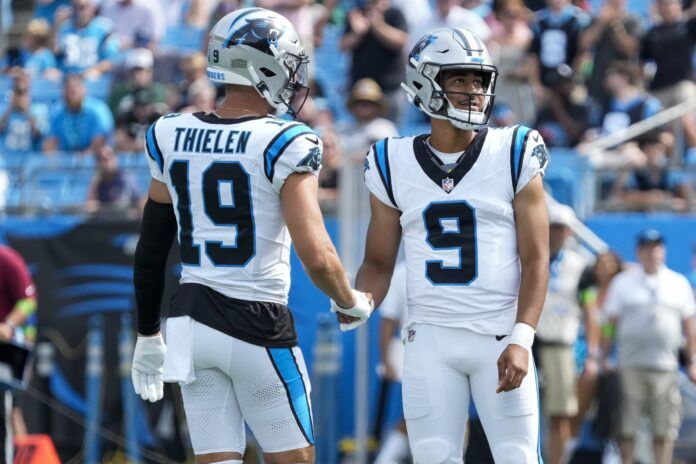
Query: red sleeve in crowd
15, 273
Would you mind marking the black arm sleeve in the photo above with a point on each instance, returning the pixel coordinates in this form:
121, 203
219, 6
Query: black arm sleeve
156, 235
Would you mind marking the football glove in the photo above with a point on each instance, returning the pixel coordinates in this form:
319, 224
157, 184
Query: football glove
362, 310
148, 367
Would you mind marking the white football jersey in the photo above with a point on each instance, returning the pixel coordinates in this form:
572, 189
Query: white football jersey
458, 227
225, 177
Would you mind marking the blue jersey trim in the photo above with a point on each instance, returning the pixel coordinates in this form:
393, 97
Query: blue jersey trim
519, 139
381, 149
286, 367
279, 144
153, 149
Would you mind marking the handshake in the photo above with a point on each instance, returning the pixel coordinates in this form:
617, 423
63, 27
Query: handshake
351, 318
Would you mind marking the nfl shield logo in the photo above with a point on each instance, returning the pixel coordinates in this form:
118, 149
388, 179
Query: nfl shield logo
447, 184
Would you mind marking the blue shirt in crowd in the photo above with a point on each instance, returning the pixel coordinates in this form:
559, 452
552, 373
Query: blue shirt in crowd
17, 136
75, 131
81, 49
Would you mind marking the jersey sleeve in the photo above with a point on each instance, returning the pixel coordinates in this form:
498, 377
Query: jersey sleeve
528, 157
295, 148
378, 173
155, 156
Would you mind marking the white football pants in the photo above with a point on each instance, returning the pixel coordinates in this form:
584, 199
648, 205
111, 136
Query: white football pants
442, 365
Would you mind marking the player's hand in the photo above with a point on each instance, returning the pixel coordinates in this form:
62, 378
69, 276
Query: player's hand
513, 364
359, 313
148, 366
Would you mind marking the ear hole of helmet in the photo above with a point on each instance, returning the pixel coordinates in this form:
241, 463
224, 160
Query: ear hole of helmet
267, 72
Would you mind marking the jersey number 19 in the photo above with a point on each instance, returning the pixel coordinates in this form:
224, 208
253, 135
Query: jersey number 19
238, 214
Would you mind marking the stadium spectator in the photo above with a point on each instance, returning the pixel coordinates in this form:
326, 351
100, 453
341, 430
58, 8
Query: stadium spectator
135, 22
557, 30
567, 112
82, 123
557, 331
23, 124
670, 45
627, 105
112, 189
376, 36
223, 8
193, 68
449, 13
508, 44
133, 120
35, 56
614, 35
139, 64
592, 293
649, 308
654, 186
330, 164
84, 41
366, 103
201, 97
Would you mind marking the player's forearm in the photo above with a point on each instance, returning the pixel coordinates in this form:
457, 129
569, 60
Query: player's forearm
156, 237
374, 278
326, 271
533, 285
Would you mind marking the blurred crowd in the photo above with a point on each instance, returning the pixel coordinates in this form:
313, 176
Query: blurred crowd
579, 72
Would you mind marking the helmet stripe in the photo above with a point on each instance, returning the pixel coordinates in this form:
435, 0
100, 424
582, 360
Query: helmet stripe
465, 42
231, 30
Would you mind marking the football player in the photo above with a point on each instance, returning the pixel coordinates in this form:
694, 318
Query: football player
468, 203
235, 186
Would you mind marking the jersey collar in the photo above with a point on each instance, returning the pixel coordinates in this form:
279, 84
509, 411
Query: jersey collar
211, 118
443, 179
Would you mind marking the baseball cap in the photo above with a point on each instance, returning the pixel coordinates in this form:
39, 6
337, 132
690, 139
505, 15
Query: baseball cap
650, 236
562, 215
139, 58
366, 89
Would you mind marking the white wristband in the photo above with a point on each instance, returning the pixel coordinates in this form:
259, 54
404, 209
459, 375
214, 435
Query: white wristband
522, 335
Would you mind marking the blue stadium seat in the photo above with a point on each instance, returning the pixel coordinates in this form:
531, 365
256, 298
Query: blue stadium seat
182, 39
46, 91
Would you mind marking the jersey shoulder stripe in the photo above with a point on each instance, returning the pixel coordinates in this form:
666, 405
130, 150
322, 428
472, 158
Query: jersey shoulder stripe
153, 149
517, 148
381, 149
280, 143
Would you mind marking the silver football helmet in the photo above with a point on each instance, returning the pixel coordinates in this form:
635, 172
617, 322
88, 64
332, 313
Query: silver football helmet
442, 50
260, 48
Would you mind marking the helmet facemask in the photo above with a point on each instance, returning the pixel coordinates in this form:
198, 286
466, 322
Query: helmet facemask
294, 95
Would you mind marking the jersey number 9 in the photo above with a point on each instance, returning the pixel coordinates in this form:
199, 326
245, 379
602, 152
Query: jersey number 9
451, 225
238, 215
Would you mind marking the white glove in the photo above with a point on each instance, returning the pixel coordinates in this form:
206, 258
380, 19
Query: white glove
148, 366
362, 310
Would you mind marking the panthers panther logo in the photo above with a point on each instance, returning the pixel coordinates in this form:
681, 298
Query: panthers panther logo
259, 33
540, 154
312, 160
420, 46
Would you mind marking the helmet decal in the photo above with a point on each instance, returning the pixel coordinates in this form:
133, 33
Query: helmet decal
259, 33
420, 46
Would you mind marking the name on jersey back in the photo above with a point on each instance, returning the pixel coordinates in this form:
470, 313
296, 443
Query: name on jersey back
219, 141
